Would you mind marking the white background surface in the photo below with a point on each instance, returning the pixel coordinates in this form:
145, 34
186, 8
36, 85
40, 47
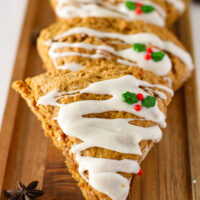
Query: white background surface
11, 21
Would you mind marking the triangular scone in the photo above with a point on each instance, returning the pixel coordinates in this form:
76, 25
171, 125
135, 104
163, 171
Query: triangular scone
162, 13
74, 44
104, 119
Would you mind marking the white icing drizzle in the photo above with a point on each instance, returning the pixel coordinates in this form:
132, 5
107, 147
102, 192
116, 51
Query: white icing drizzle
160, 94
95, 8
168, 80
103, 174
178, 4
113, 134
160, 68
71, 66
147, 38
125, 62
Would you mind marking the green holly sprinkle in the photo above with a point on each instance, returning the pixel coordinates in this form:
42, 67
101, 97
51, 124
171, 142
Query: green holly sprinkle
157, 56
139, 47
130, 98
149, 102
130, 5
147, 8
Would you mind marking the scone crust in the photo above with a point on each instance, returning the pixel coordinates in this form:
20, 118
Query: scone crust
172, 14
34, 88
178, 74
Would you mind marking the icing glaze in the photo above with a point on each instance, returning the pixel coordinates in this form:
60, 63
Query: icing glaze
160, 68
107, 133
168, 80
178, 4
71, 66
95, 8
125, 62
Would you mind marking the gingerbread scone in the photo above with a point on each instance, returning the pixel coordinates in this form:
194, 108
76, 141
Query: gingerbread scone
72, 44
159, 12
104, 119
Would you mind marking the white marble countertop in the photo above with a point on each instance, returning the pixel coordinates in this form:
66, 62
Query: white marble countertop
11, 21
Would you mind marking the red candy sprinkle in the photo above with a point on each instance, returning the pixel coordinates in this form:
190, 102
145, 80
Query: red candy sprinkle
149, 50
138, 107
140, 96
140, 172
138, 4
138, 11
147, 57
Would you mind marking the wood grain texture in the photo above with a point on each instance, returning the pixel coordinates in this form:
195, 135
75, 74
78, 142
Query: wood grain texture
13, 99
23, 147
26, 155
192, 110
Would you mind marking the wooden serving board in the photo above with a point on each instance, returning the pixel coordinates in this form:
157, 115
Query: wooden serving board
170, 169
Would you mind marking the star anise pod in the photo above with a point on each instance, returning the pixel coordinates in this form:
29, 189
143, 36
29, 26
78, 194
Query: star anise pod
24, 193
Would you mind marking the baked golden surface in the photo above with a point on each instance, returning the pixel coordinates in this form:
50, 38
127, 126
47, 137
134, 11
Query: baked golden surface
34, 88
172, 14
178, 74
